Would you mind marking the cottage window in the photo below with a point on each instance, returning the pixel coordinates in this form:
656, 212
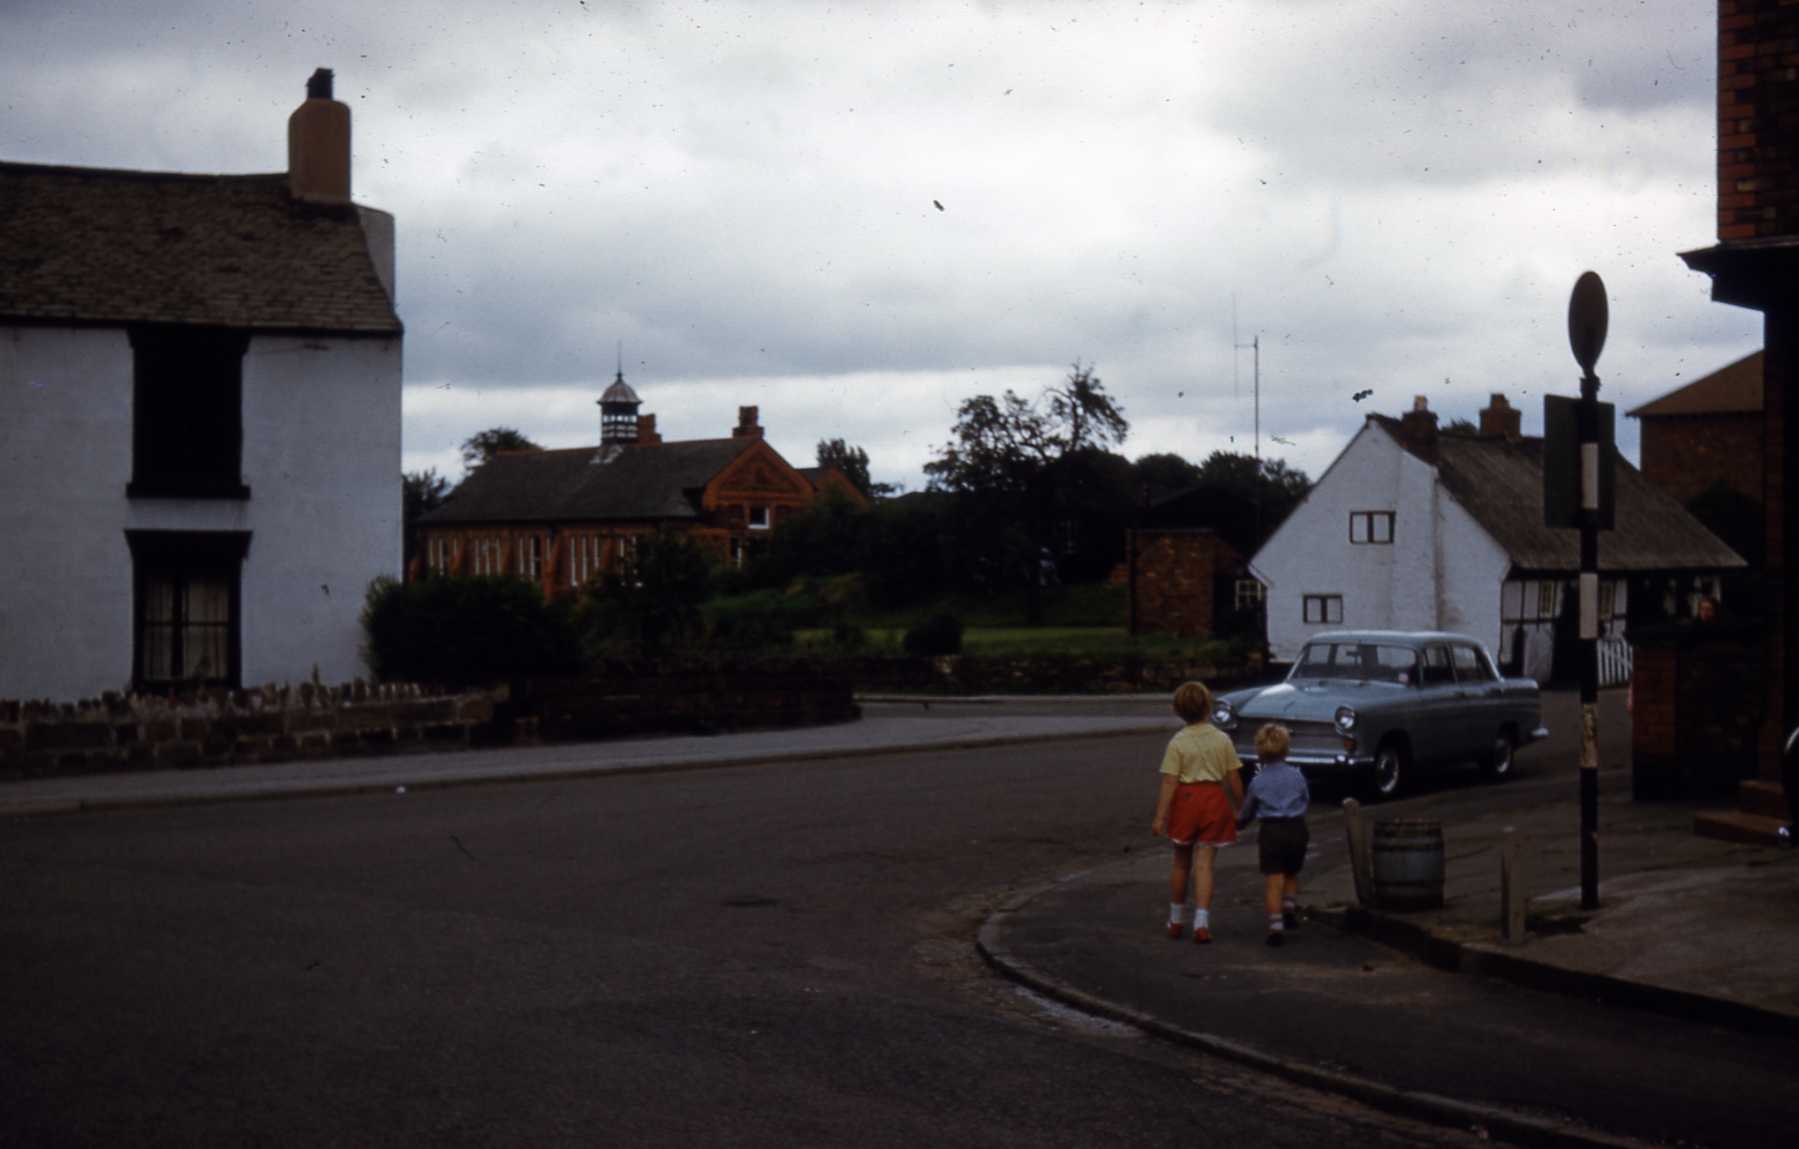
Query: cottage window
1371, 527
187, 413
1322, 608
1250, 594
187, 600
758, 518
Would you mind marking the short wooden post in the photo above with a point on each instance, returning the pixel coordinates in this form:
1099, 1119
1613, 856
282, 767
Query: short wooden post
1511, 892
1355, 829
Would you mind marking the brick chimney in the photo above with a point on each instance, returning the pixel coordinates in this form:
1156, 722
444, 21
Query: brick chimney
1501, 418
1418, 427
747, 427
646, 430
1758, 167
318, 145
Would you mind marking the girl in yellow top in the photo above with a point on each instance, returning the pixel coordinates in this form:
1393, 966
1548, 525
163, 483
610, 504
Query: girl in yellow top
1197, 809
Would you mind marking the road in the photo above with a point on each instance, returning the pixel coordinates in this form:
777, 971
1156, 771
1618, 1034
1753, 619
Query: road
769, 955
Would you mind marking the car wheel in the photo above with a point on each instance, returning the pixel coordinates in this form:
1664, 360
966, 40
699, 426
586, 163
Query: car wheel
1390, 769
1500, 758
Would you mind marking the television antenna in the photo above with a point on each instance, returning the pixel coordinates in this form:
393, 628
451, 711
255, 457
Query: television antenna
1255, 345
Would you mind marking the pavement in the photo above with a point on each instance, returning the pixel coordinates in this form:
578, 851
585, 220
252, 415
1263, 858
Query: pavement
1694, 941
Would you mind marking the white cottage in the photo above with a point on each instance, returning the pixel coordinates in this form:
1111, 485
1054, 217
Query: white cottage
200, 453
1415, 529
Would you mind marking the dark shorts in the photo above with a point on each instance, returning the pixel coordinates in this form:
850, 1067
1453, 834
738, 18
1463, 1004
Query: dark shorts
1283, 844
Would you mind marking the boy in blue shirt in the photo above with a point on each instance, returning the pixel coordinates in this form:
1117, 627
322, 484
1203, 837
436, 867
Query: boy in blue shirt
1279, 794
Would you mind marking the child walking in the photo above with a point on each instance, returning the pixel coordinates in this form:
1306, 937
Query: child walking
1279, 795
1201, 786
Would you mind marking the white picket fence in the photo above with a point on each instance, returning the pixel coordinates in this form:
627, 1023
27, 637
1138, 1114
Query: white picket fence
1614, 662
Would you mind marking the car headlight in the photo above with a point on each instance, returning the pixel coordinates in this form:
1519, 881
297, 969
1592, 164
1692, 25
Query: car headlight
1223, 716
1345, 719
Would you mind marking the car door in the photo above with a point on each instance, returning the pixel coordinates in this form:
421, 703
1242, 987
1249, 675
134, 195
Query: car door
1435, 736
1481, 706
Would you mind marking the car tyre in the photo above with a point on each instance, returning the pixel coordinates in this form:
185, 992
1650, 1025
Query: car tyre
1392, 767
1501, 757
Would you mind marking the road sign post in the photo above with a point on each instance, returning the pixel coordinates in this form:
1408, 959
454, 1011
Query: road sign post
1577, 492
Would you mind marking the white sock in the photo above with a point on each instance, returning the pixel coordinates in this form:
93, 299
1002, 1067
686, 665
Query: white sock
1177, 913
1202, 920
1276, 923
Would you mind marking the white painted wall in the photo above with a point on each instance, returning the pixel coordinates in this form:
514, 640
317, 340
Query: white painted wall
322, 460
1474, 567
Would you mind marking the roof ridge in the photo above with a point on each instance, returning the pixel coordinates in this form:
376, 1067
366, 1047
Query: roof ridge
134, 173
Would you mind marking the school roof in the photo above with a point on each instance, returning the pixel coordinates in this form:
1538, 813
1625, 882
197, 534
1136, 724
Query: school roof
95, 246
633, 481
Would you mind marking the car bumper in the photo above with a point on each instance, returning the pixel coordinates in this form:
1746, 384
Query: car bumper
1537, 735
1319, 762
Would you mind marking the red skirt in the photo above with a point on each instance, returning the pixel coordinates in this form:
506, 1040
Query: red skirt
1200, 815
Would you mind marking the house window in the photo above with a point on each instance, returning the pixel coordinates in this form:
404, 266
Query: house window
1250, 594
1373, 527
530, 558
1546, 598
187, 606
187, 413
1322, 608
758, 518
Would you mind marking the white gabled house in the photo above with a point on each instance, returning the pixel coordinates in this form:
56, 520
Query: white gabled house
1415, 529
200, 453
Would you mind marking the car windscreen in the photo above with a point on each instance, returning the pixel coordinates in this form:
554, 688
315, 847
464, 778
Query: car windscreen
1362, 661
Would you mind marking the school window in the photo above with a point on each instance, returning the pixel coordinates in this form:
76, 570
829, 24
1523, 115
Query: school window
758, 518
1371, 527
737, 553
490, 557
187, 603
1250, 594
187, 413
1322, 608
584, 559
530, 558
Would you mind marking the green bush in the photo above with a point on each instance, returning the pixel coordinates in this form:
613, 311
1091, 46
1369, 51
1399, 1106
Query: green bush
465, 631
651, 603
763, 620
938, 634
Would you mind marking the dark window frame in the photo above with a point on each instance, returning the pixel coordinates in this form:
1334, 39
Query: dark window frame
1371, 518
187, 412
1324, 602
183, 555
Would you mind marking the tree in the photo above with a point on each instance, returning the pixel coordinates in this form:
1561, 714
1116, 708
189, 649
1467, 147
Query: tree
654, 598
1164, 474
484, 445
1269, 488
421, 492
853, 462
1004, 465
1003, 445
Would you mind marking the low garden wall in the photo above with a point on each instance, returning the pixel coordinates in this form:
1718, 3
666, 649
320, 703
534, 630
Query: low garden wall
218, 728
622, 698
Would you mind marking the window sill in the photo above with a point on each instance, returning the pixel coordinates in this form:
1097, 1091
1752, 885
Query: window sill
186, 487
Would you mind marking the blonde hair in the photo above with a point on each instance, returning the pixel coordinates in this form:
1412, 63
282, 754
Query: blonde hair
1273, 742
1193, 702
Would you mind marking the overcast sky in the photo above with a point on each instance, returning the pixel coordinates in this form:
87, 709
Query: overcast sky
1398, 197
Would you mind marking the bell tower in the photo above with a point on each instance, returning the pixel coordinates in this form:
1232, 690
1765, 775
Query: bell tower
618, 410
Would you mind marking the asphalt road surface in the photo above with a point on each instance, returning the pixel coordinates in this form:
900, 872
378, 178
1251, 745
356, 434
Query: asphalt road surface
758, 956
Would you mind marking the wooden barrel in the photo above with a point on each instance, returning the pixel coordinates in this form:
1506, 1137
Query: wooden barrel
1408, 864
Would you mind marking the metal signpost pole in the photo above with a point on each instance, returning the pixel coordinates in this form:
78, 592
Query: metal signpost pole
1587, 320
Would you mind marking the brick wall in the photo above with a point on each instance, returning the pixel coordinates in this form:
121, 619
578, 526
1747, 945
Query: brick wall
1175, 578
1758, 118
271, 724
1684, 455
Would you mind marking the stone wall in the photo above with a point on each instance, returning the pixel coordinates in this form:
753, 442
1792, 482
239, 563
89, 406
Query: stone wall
271, 724
625, 698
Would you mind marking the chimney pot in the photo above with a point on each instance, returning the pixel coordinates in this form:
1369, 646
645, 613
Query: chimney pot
318, 86
747, 427
1418, 427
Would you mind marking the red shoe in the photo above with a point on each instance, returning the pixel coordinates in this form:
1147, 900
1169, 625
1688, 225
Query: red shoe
1175, 930
1202, 936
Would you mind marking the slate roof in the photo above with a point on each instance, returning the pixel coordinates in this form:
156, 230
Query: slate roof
90, 245
1500, 483
1731, 390
643, 481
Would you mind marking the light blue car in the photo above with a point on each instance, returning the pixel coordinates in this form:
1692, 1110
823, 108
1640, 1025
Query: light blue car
1377, 705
